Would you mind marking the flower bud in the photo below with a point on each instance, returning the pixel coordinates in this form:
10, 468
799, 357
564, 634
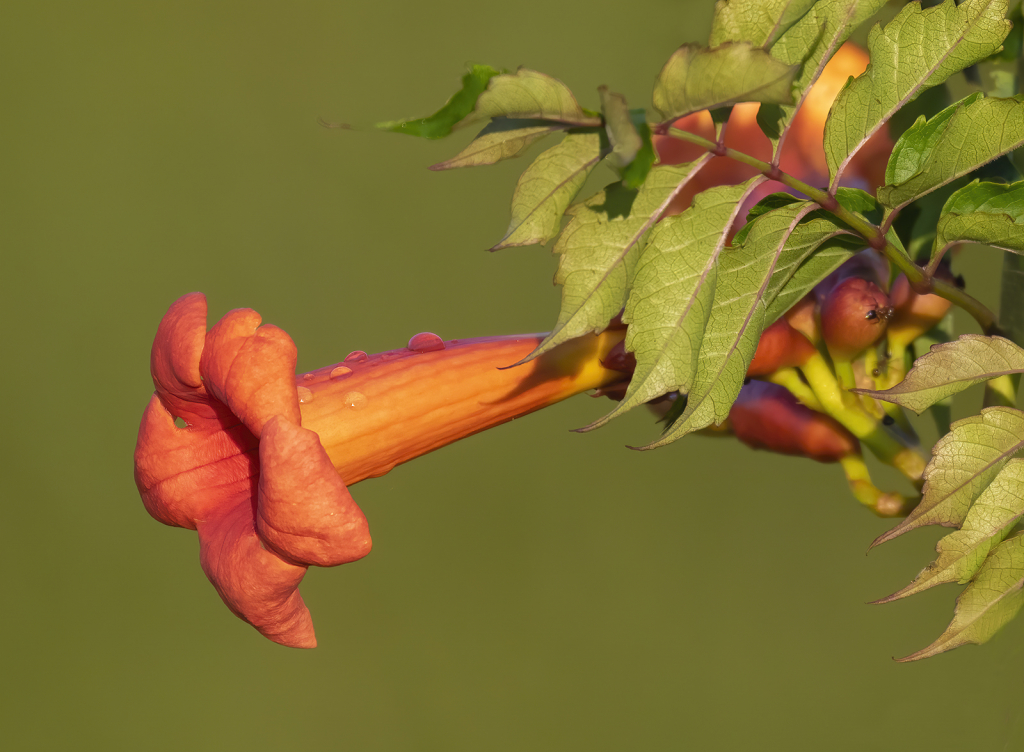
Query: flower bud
780, 346
853, 317
768, 416
913, 314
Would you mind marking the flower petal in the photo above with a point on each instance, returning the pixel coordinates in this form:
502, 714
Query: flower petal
257, 585
251, 369
305, 511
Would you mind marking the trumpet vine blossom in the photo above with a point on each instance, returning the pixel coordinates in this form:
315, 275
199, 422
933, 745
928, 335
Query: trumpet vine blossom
258, 460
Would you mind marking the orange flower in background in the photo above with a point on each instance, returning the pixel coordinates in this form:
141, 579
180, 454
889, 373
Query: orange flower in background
260, 467
803, 154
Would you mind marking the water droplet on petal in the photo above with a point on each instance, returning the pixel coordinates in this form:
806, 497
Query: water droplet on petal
341, 372
426, 342
308, 376
356, 356
305, 395
355, 400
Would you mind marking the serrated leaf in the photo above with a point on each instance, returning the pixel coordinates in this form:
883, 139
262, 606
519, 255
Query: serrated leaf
942, 411
918, 49
459, 107
988, 521
989, 213
671, 293
987, 604
963, 463
602, 237
810, 44
698, 78
759, 22
813, 270
747, 281
634, 175
548, 186
958, 140
531, 95
950, 368
501, 139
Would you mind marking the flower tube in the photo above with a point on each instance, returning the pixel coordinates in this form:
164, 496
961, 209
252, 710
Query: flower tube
257, 460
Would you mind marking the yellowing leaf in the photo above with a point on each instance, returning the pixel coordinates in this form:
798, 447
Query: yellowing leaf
987, 604
952, 367
964, 462
501, 139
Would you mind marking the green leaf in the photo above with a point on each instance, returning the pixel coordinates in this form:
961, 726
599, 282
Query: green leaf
601, 240
460, 106
548, 186
989, 213
942, 411
827, 259
500, 139
1011, 312
531, 95
633, 152
634, 175
987, 604
697, 78
749, 277
958, 140
918, 49
810, 43
671, 293
988, 521
759, 22
964, 462
951, 368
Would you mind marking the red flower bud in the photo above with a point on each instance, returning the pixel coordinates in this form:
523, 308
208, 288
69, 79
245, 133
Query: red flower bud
913, 314
768, 416
780, 346
853, 317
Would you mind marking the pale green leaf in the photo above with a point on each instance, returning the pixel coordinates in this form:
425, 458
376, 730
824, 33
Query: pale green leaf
942, 411
531, 95
987, 604
989, 520
501, 139
989, 213
697, 78
952, 144
952, 367
636, 172
457, 109
963, 464
671, 293
547, 187
918, 49
602, 237
810, 43
759, 22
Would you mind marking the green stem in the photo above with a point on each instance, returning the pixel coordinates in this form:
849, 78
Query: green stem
920, 280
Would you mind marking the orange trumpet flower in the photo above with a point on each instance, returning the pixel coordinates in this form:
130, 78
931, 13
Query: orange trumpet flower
259, 460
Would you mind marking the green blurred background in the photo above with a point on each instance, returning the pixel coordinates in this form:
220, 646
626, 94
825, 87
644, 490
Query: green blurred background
529, 588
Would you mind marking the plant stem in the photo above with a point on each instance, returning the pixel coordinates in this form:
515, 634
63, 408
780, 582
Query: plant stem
920, 280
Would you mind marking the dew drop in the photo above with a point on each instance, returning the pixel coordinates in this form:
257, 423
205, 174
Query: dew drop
426, 342
356, 356
305, 395
341, 372
308, 376
355, 400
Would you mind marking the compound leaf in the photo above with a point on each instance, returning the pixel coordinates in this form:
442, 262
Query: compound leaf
500, 139
964, 462
759, 22
987, 604
952, 367
458, 108
548, 186
531, 95
958, 140
918, 49
600, 241
988, 521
